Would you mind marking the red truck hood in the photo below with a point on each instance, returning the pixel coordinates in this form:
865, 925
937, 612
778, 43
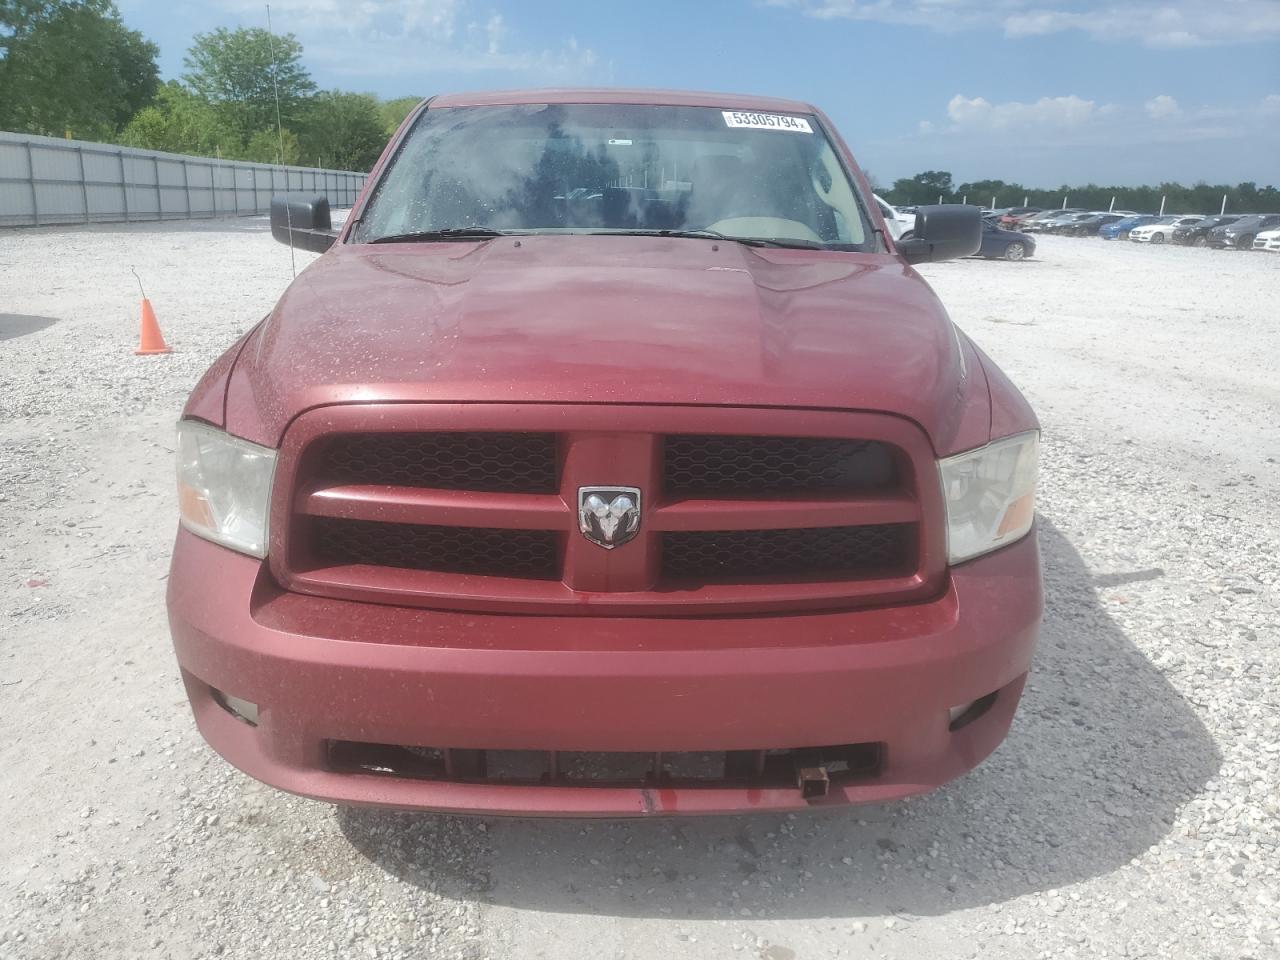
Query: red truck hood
577, 319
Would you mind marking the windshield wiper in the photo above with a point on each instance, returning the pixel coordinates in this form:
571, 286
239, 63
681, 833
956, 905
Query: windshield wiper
704, 234
486, 233
448, 233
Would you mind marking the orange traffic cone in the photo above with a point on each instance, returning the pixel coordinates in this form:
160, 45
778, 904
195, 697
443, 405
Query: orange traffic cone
152, 341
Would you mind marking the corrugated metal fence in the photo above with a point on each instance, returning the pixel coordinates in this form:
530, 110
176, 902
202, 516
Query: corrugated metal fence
44, 180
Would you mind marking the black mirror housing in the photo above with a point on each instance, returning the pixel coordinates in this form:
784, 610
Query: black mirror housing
302, 220
943, 233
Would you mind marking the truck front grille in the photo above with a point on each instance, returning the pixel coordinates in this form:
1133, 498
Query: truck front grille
488, 462
700, 465
411, 546
816, 510
883, 549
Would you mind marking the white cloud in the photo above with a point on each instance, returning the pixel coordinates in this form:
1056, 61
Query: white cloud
495, 30
1152, 23
1076, 120
1162, 106
374, 38
1070, 139
939, 14
1163, 23
434, 18
980, 113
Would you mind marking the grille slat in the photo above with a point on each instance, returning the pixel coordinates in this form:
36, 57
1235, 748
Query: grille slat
696, 465
484, 462
529, 554
719, 490
882, 549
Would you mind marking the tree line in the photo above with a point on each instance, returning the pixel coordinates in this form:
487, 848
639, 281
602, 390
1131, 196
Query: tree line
72, 68
1201, 197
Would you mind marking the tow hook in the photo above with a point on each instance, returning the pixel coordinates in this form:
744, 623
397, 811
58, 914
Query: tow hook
812, 781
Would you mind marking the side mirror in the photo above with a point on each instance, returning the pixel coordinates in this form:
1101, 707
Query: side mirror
302, 220
943, 233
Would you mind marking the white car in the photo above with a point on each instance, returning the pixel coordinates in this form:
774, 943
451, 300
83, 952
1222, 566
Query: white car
899, 223
1162, 230
1268, 240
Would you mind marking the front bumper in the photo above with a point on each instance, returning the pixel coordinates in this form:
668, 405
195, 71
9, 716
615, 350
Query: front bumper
330, 670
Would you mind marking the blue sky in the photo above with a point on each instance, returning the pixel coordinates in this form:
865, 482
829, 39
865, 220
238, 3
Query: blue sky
1038, 91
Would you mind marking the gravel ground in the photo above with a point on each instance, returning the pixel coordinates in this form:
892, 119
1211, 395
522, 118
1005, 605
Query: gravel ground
1133, 812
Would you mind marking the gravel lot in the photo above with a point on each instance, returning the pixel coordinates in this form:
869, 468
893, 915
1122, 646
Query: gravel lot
1134, 811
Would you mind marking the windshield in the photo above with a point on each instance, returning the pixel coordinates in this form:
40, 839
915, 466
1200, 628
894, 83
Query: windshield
618, 168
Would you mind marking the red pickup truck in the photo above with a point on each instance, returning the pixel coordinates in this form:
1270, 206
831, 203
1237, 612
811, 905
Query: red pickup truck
613, 460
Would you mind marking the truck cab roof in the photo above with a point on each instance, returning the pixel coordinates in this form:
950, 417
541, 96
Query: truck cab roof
673, 98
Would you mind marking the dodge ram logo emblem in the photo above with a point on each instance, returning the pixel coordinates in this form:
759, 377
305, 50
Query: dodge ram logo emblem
609, 516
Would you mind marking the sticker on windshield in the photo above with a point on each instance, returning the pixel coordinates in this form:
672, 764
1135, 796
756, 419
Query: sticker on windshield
766, 121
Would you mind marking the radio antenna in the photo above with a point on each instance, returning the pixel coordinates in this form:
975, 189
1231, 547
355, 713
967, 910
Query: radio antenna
275, 85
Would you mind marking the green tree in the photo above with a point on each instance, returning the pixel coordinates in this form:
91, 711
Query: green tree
980, 193
237, 72
265, 147
180, 122
71, 65
922, 188
342, 131
394, 112
1201, 197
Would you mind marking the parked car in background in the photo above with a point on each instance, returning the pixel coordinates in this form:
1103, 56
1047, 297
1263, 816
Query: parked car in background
1055, 224
1014, 216
1196, 233
1162, 230
1239, 235
900, 224
1119, 230
1037, 222
1089, 224
1268, 240
1001, 244
1083, 224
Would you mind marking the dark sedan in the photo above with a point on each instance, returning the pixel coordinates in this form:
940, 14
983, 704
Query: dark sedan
1088, 226
1197, 234
1040, 222
998, 244
1239, 235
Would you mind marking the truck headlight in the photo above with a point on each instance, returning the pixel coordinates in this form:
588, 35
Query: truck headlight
224, 487
990, 495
